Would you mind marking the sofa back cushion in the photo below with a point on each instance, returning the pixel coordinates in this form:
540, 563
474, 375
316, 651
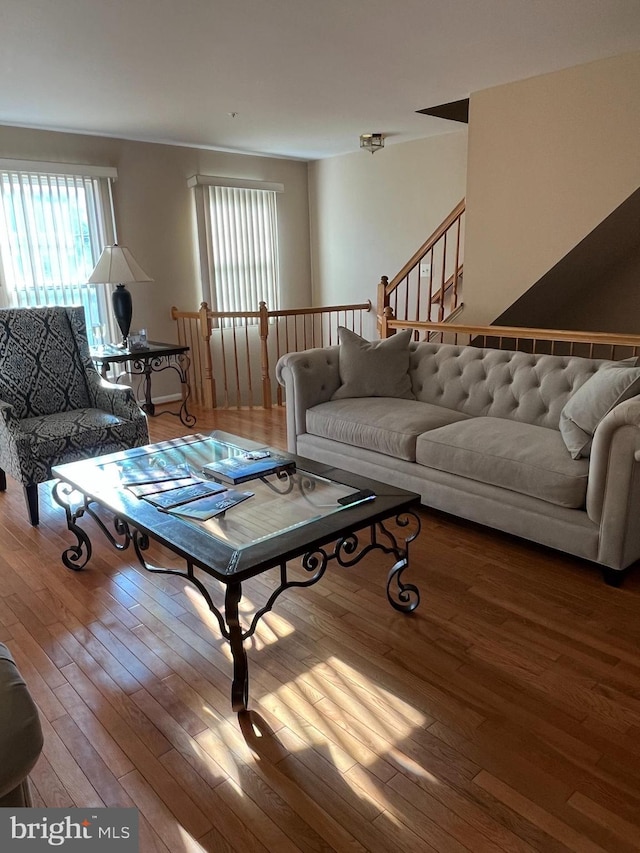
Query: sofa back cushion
498, 383
374, 368
591, 402
41, 368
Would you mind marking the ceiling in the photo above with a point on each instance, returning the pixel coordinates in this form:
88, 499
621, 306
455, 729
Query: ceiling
292, 78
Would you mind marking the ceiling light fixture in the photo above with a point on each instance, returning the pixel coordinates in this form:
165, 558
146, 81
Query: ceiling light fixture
372, 142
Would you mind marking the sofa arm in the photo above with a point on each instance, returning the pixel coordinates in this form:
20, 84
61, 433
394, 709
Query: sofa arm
309, 377
613, 491
20, 734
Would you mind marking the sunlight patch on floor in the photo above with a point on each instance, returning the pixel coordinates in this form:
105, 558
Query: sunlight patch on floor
271, 628
339, 709
188, 843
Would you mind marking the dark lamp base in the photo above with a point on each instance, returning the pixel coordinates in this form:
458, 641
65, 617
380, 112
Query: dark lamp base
122, 309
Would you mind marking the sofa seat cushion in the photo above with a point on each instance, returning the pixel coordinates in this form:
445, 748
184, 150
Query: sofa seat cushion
387, 425
523, 458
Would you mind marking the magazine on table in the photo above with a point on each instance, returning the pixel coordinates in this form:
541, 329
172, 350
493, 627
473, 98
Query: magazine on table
248, 466
147, 469
184, 495
164, 486
208, 507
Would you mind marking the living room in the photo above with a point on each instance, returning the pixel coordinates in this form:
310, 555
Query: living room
502, 714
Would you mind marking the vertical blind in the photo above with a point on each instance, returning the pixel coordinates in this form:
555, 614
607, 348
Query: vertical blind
240, 260
52, 230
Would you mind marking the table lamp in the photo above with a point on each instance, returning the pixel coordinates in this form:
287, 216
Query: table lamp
117, 265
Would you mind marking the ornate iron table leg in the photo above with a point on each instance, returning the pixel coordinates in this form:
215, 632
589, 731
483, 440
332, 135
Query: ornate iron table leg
348, 552
184, 361
148, 406
76, 556
402, 597
145, 367
240, 684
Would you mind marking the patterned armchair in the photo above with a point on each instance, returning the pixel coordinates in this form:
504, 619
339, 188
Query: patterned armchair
54, 405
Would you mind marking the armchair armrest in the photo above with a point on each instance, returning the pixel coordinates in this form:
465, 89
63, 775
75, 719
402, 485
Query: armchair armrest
8, 420
119, 400
309, 377
13, 445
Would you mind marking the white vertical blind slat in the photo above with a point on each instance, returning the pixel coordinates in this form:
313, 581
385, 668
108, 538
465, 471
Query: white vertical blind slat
23, 225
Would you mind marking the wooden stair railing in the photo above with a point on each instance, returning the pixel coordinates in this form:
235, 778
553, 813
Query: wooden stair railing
229, 350
606, 345
412, 296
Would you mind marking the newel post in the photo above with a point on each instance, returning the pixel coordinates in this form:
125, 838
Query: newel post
387, 315
208, 382
383, 300
264, 356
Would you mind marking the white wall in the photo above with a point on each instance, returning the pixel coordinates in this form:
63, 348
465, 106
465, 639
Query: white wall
549, 159
370, 213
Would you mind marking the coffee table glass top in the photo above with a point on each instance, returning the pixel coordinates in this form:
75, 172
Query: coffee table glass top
275, 506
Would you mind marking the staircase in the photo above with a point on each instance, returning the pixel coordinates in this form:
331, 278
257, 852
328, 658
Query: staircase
429, 286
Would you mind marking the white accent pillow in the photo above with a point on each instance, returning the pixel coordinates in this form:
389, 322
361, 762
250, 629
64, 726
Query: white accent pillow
587, 406
374, 368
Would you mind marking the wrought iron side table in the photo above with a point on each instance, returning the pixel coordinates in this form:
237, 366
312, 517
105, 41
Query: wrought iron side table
154, 358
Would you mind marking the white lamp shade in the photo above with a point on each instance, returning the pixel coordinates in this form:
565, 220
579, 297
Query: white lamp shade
117, 265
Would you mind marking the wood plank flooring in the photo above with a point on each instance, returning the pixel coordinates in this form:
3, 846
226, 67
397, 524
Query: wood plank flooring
503, 716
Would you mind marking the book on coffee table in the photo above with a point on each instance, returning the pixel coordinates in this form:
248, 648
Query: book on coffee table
163, 486
240, 469
204, 508
184, 495
136, 472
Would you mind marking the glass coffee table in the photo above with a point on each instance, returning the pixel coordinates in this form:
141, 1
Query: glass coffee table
316, 513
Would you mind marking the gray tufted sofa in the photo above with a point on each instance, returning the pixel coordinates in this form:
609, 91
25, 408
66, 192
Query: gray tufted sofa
481, 440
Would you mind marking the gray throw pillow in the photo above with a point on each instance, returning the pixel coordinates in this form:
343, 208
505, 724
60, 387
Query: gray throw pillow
374, 368
585, 408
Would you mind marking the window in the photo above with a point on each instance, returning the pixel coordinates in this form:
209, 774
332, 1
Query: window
54, 222
238, 242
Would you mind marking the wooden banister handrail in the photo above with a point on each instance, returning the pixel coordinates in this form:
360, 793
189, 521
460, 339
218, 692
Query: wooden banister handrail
286, 312
457, 211
296, 312
521, 333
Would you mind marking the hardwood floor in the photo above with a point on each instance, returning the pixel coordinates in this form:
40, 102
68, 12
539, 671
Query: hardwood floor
503, 716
